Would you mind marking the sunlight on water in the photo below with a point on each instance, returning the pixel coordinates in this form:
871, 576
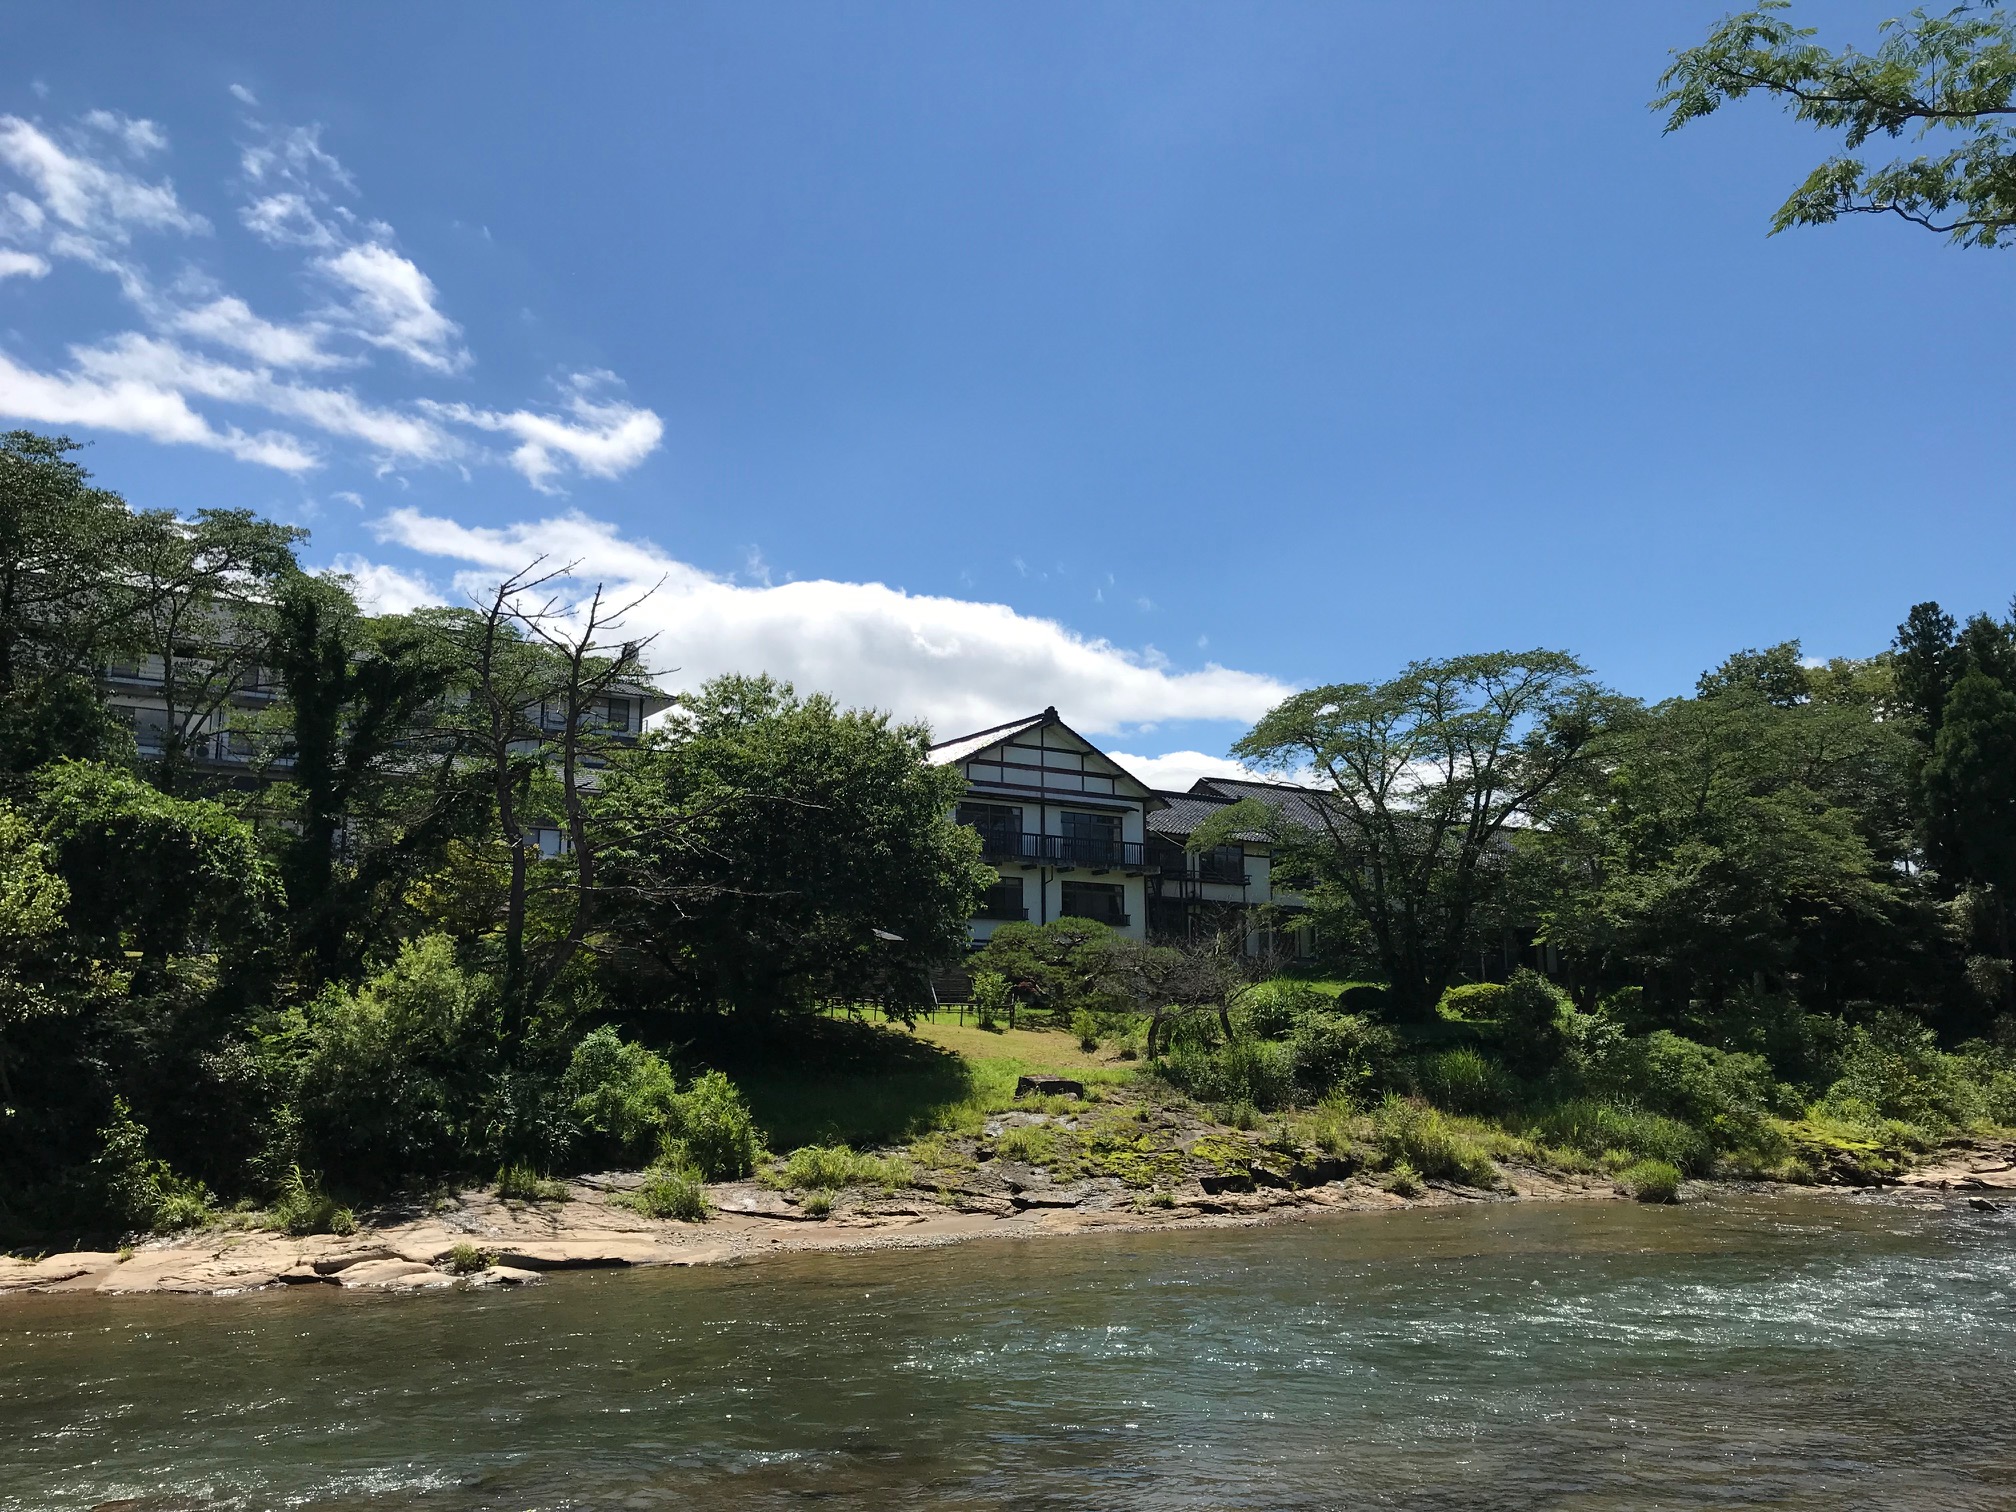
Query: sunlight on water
1800, 1353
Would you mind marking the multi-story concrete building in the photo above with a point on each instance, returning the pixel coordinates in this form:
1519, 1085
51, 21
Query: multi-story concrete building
1072, 833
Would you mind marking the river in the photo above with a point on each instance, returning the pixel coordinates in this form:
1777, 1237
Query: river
1802, 1352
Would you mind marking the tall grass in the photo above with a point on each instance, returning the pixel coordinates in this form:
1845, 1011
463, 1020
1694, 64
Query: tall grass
1419, 1136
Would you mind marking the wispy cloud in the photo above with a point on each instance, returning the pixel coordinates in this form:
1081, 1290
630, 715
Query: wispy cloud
83, 195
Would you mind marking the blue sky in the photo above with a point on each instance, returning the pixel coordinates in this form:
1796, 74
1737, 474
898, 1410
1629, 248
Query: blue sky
1144, 359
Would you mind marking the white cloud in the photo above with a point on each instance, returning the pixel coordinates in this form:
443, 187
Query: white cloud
243, 95
137, 407
961, 665
138, 137
608, 439
229, 322
203, 345
103, 203
392, 306
385, 590
1177, 770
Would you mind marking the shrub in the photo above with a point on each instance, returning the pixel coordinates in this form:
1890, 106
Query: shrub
520, 1183
465, 1259
1402, 1180
1530, 1015
137, 1189
303, 1208
1271, 1010
830, 1167
1339, 1051
991, 998
1363, 997
1482, 1001
1259, 1072
1653, 1181
1893, 1065
715, 1124
672, 1191
1086, 1027
1463, 1081
816, 1204
1413, 1133
1596, 1128
1727, 1096
621, 1094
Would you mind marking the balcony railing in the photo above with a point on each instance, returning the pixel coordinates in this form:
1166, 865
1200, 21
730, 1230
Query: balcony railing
1066, 851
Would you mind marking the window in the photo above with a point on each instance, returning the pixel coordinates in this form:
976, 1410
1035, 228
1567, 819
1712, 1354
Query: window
1223, 863
999, 824
1104, 901
1004, 900
1090, 837
616, 715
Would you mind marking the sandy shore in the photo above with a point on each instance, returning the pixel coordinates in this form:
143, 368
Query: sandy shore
521, 1241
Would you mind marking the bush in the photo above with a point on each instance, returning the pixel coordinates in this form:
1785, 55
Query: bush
303, 1208
1086, 1027
672, 1190
1653, 1181
466, 1259
991, 998
136, 1189
621, 1094
1479, 1001
830, 1167
1727, 1096
1271, 1010
1402, 1180
1418, 1135
816, 1204
1893, 1065
390, 1075
1246, 1070
520, 1183
715, 1125
1339, 1051
1530, 1017
1363, 997
1596, 1128
1463, 1081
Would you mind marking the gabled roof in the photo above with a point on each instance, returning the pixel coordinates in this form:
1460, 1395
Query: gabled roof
1298, 805
966, 747
959, 747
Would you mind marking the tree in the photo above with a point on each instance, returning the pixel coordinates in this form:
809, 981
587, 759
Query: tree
768, 852
1926, 663
1970, 786
1422, 778
1952, 73
368, 780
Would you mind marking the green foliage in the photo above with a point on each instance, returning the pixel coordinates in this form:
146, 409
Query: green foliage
136, 1189
1464, 1081
816, 1204
1530, 1014
1955, 72
1596, 1128
1339, 1052
1413, 1134
1271, 1010
992, 998
1402, 1180
1474, 1001
389, 1076
622, 1094
521, 1183
1258, 1073
465, 1259
672, 1190
831, 1167
1892, 1068
1652, 1180
302, 1207
1085, 1026
714, 1124
773, 836
1427, 771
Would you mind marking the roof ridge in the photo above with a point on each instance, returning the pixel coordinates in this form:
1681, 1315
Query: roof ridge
1008, 724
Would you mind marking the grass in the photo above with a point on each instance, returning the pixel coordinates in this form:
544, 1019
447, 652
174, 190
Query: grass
304, 1208
671, 1192
466, 1259
1652, 1181
817, 1205
831, 1167
520, 1183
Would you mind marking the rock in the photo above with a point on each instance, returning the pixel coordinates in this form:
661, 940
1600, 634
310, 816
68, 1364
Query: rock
1226, 1181
1983, 1205
301, 1273
1322, 1170
1052, 1197
382, 1275
759, 1202
504, 1275
54, 1270
342, 1260
1049, 1086
580, 1254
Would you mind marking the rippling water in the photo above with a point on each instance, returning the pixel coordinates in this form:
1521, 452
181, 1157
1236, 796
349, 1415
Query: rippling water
1746, 1352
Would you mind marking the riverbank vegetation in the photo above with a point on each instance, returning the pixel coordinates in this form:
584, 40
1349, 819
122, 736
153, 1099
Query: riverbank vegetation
302, 907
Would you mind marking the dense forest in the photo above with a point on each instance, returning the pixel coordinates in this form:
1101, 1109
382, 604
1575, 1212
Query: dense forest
350, 902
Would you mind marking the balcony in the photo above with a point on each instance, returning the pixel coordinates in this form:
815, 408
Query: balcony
1065, 852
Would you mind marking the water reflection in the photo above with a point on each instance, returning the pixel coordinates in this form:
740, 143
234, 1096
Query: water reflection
1787, 1353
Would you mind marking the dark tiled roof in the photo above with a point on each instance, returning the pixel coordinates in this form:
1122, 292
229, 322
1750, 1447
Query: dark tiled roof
1185, 812
1298, 805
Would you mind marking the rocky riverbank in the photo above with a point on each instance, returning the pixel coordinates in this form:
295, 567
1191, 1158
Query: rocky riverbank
478, 1239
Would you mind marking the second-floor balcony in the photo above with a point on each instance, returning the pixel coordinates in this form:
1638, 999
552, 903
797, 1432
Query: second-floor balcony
1065, 852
